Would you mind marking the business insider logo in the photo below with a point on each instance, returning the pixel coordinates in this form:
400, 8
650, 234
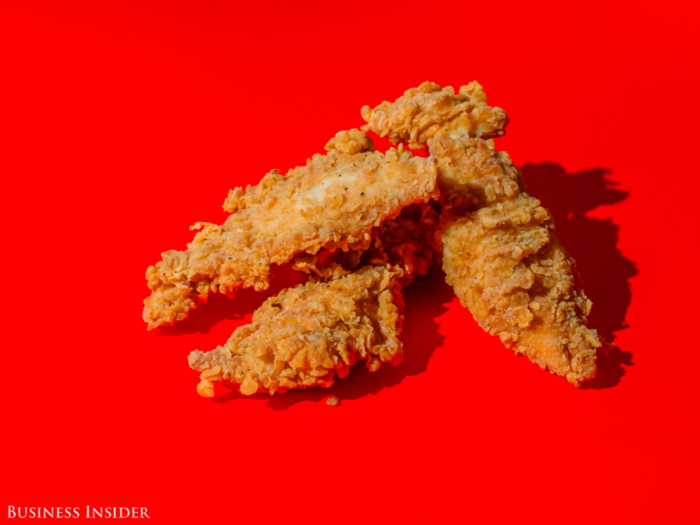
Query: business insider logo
76, 512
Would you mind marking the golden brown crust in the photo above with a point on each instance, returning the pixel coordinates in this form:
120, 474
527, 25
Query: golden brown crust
505, 263
500, 252
407, 241
333, 202
307, 334
428, 109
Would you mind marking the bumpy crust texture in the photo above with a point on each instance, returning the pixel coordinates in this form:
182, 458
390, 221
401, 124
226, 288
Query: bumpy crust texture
307, 334
429, 109
505, 263
334, 202
500, 252
408, 241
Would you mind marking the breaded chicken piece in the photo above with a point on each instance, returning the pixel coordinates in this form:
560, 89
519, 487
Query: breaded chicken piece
333, 202
408, 241
502, 257
307, 334
424, 111
500, 252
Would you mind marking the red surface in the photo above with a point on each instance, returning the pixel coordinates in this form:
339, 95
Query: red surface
127, 124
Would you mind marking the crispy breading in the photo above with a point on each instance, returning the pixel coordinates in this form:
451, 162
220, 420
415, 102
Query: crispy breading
408, 241
505, 263
428, 109
307, 334
500, 252
333, 202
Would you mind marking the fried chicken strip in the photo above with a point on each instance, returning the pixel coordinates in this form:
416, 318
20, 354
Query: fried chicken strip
427, 110
506, 264
500, 252
307, 334
333, 202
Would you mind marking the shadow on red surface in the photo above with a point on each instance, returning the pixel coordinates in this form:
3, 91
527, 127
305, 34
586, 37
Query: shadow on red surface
593, 243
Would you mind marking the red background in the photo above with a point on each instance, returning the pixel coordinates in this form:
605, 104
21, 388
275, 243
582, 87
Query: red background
128, 123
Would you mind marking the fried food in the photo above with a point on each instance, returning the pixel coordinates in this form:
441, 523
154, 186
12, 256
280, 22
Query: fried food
333, 202
405, 245
307, 334
360, 226
427, 110
408, 241
506, 265
500, 252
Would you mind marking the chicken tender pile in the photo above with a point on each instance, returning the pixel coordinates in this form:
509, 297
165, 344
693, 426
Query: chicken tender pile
333, 202
500, 252
359, 226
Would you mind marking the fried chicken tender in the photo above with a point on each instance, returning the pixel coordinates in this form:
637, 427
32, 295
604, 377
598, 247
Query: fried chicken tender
307, 334
500, 252
333, 202
429, 109
505, 263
